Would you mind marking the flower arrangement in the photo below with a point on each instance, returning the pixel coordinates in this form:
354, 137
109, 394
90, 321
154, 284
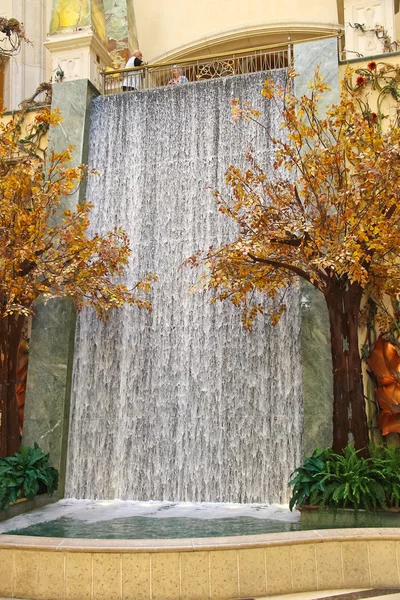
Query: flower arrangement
380, 77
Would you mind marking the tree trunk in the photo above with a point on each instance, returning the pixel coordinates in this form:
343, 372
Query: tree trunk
349, 414
10, 337
3, 385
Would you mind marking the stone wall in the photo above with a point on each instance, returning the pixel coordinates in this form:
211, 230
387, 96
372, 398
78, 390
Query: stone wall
53, 328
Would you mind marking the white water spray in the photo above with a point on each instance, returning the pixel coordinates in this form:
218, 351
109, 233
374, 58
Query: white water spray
181, 403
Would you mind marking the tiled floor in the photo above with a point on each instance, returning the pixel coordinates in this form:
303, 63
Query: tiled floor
350, 594
323, 595
339, 595
308, 595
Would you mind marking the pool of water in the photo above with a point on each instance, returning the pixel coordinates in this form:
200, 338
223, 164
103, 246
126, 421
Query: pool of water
151, 520
147, 528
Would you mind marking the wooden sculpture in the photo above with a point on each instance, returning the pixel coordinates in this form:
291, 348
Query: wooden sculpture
385, 364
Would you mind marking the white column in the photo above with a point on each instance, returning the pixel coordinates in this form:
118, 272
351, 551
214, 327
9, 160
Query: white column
27, 70
79, 55
369, 14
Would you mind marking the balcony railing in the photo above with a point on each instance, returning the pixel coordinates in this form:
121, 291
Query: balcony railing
222, 65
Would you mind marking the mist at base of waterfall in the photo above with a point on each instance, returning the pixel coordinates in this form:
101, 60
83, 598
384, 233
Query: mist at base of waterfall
181, 404
119, 519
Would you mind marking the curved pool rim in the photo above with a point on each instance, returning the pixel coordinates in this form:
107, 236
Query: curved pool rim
201, 568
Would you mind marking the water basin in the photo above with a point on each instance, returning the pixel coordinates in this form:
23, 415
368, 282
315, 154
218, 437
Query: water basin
151, 520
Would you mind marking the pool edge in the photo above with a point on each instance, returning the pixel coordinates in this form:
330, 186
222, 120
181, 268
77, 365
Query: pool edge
192, 569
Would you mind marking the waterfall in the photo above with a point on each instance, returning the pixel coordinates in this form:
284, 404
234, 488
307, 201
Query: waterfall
181, 403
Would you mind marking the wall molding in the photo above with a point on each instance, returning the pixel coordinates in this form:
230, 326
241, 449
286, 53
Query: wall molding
249, 36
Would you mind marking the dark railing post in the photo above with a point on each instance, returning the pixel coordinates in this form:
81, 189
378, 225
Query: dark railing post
340, 47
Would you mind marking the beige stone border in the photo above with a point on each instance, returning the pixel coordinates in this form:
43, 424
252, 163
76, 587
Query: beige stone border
198, 569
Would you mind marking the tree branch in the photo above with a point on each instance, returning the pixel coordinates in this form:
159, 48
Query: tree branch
285, 266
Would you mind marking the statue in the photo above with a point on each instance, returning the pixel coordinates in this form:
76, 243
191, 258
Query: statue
385, 364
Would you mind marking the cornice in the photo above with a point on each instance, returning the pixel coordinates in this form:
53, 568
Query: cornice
287, 28
76, 40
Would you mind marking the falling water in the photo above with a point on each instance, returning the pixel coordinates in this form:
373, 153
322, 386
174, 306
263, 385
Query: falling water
180, 403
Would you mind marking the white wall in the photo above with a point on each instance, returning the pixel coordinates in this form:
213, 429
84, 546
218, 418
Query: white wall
25, 71
168, 25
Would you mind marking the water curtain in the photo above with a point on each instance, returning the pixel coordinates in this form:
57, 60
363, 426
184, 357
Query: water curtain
181, 403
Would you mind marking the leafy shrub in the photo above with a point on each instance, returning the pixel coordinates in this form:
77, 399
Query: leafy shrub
386, 462
25, 475
348, 480
351, 481
309, 480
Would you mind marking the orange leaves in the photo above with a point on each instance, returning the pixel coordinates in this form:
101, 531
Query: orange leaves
45, 250
49, 117
385, 364
236, 110
243, 111
329, 213
269, 89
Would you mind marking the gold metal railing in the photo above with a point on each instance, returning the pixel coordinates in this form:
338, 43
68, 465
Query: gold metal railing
263, 58
153, 76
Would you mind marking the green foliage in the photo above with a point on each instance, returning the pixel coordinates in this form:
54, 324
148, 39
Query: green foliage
348, 480
25, 475
309, 480
387, 465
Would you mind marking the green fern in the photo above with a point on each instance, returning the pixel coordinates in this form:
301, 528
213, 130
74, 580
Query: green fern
308, 486
348, 480
386, 466
25, 475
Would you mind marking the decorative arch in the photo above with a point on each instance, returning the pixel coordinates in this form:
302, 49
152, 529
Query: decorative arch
234, 40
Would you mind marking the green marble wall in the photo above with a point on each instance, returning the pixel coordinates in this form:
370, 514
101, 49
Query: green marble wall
317, 370
315, 337
53, 329
132, 31
121, 30
116, 12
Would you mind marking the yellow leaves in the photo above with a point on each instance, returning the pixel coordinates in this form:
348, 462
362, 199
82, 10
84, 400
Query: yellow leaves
236, 110
276, 313
318, 85
337, 221
269, 89
146, 283
43, 257
243, 111
55, 117
49, 117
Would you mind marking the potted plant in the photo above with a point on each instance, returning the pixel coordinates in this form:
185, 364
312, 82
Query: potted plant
344, 490
26, 475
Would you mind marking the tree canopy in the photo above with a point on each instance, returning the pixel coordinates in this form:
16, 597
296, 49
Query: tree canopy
329, 216
46, 251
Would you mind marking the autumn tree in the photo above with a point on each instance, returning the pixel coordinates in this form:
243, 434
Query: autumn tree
330, 215
46, 252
